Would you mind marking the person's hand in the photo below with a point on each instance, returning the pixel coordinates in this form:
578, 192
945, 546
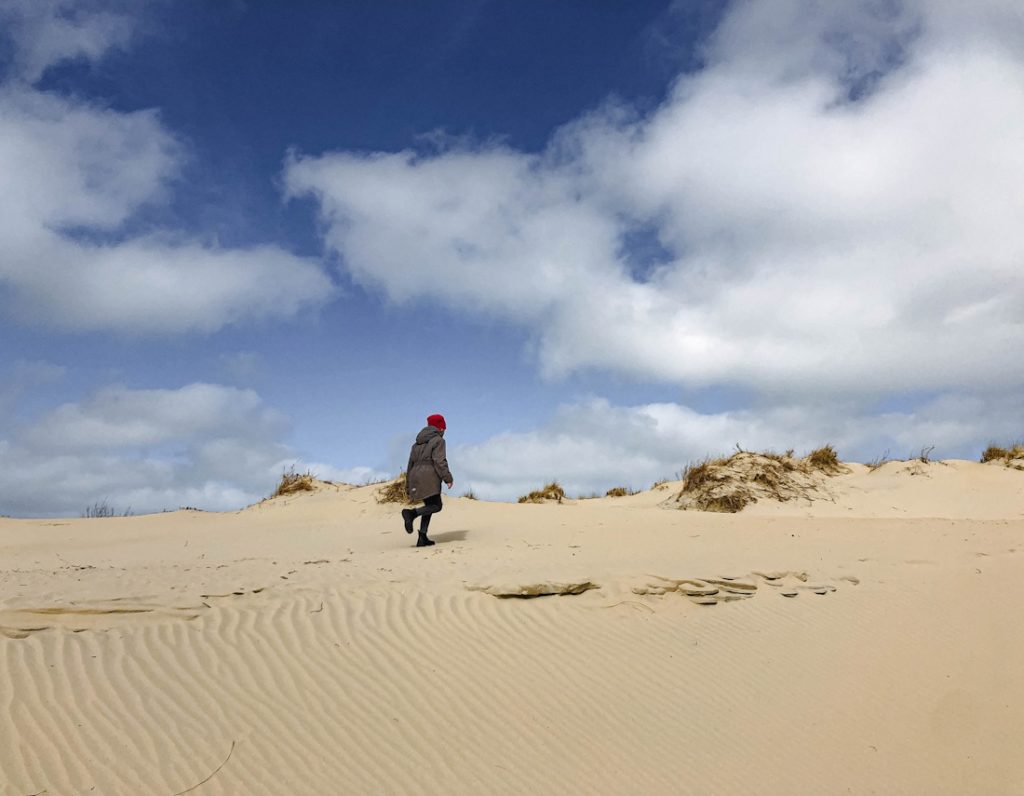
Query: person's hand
451, 484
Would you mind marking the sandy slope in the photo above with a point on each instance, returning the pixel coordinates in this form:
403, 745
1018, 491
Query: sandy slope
307, 642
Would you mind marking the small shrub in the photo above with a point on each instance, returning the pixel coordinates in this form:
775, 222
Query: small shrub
552, 491
101, 509
394, 491
292, 482
619, 491
925, 455
994, 453
825, 459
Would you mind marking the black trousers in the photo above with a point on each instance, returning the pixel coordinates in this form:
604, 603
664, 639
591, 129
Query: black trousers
431, 505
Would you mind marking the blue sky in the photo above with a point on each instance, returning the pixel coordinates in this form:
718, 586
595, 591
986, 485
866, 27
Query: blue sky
602, 238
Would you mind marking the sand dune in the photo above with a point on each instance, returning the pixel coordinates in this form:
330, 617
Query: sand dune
868, 643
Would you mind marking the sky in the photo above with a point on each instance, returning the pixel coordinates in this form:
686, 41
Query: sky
603, 239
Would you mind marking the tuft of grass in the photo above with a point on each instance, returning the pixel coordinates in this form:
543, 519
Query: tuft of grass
292, 482
726, 504
825, 459
925, 455
551, 491
994, 453
470, 495
660, 484
698, 474
619, 491
1006, 455
101, 509
877, 462
394, 491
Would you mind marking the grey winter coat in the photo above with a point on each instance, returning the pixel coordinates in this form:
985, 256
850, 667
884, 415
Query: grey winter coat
428, 465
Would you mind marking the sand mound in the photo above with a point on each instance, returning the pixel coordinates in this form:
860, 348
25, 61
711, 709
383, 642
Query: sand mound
548, 492
728, 485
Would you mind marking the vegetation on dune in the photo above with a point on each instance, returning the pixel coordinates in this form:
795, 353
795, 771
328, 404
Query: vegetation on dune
103, 509
1006, 455
619, 491
728, 504
394, 491
551, 491
825, 459
292, 482
728, 484
879, 461
698, 474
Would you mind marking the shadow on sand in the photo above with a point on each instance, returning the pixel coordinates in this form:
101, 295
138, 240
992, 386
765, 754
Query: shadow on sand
449, 536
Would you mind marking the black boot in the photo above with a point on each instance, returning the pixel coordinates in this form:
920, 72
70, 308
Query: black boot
423, 541
408, 515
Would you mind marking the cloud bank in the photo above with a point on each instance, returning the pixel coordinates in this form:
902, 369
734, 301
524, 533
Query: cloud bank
203, 445
593, 446
836, 196
75, 173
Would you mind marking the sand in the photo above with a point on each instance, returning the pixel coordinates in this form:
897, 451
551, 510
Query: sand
870, 643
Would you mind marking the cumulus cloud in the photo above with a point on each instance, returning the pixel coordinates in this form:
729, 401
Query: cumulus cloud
835, 194
75, 173
203, 445
593, 446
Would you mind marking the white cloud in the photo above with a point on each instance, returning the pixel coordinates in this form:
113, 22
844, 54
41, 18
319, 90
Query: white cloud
339, 475
46, 32
837, 192
74, 173
203, 445
594, 446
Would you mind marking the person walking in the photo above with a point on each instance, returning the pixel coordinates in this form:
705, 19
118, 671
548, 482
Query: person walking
428, 467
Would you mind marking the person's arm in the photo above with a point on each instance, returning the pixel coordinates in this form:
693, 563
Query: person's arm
440, 457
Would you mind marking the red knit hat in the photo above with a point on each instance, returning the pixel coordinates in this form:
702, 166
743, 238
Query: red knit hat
437, 421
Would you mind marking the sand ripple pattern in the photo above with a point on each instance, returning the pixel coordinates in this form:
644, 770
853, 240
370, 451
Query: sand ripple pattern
399, 691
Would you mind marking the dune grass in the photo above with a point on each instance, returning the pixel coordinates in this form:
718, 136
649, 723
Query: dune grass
825, 459
550, 491
728, 484
394, 491
698, 474
999, 453
101, 509
292, 482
